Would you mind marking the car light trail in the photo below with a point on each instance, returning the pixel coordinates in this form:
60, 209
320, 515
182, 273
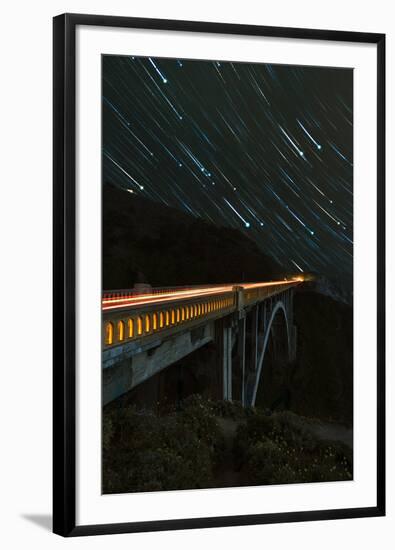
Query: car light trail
185, 294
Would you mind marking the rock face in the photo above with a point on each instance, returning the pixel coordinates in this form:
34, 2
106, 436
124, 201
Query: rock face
150, 243
339, 291
321, 382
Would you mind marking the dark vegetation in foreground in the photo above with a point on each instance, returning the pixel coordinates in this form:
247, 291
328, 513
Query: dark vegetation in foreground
214, 444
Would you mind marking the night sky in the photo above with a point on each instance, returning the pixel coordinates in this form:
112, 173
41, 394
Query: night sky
266, 149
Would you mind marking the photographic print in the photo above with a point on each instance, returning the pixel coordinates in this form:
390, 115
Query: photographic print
219, 204
227, 274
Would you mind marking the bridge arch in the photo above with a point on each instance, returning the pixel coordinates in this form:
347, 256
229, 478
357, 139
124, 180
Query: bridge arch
278, 310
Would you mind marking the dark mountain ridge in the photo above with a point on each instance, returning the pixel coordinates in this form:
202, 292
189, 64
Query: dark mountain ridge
148, 242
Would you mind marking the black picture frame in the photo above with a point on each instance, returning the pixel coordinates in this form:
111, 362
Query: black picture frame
64, 272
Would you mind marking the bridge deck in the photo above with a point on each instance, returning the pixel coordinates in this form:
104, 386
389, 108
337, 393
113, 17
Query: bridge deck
128, 316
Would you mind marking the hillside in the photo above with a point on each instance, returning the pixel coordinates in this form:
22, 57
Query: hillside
322, 378
148, 242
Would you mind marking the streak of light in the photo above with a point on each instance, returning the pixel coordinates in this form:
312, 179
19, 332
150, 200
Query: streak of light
297, 265
318, 145
246, 223
299, 220
338, 222
173, 295
164, 79
141, 187
300, 152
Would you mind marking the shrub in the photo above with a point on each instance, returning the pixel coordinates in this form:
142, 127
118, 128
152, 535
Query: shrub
282, 449
145, 452
189, 450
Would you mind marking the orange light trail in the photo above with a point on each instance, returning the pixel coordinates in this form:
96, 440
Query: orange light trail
174, 295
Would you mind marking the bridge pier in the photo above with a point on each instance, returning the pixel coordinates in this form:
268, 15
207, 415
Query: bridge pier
254, 337
227, 363
241, 354
224, 345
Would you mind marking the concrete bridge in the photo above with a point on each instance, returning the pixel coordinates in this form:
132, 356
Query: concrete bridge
148, 330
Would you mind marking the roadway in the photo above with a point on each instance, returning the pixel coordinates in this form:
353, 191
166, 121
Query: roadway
173, 295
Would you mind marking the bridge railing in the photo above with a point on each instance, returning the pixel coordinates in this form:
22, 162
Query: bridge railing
133, 324
113, 295
259, 293
136, 321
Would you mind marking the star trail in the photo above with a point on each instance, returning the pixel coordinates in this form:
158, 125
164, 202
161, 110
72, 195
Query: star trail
265, 149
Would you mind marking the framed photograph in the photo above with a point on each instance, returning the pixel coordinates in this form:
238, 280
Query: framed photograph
219, 275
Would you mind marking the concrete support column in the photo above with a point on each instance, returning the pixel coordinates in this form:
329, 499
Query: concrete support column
254, 338
227, 363
242, 355
264, 315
